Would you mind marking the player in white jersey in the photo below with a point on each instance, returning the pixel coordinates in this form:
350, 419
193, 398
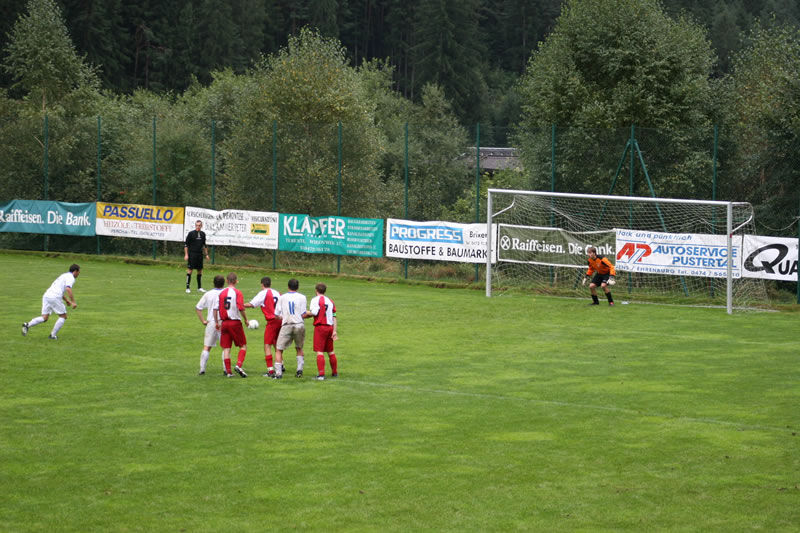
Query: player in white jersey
60, 291
291, 308
323, 310
209, 301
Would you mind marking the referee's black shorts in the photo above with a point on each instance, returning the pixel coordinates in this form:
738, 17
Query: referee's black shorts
195, 261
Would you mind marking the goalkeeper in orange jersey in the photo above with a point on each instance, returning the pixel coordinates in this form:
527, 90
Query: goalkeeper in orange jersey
604, 273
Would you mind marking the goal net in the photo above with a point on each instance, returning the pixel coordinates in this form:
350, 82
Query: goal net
664, 250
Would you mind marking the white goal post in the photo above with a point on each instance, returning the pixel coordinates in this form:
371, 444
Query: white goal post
669, 249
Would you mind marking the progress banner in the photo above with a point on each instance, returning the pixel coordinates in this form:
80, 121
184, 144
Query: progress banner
437, 241
55, 218
677, 254
235, 227
331, 235
140, 221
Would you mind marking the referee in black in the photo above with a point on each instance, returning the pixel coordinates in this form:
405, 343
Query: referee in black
193, 252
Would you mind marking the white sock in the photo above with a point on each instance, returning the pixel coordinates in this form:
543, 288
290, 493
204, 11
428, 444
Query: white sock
203, 360
279, 368
300, 362
34, 321
57, 326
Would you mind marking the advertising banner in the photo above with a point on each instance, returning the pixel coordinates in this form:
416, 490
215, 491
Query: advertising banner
678, 254
770, 258
235, 227
39, 216
331, 235
437, 241
550, 246
140, 221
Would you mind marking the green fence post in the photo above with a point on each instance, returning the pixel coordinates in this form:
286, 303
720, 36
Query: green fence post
155, 169
552, 189
99, 162
274, 179
213, 178
405, 195
798, 242
46, 172
339, 195
477, 180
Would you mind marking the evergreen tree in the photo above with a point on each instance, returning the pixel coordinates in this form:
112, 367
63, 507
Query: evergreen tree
450, 52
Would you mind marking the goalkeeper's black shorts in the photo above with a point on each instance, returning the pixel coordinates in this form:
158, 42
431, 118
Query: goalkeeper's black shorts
599, 279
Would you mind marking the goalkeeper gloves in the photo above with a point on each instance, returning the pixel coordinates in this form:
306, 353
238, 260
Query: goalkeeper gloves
584, 280
612, 280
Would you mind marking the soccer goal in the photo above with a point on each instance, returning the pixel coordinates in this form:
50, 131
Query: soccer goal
664, 250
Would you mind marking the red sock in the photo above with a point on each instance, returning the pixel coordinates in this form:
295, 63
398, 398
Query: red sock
321, 364
240, 359
268, 359
228, 366
334, 363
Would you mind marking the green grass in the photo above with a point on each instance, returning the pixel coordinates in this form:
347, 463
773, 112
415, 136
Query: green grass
453, 412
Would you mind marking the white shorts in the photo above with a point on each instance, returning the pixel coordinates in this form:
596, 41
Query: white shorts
211, 337
53, 306
289, 333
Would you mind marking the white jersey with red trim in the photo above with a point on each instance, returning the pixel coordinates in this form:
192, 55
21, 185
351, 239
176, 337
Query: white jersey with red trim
231, 302
57, 288
290, 308
267, 299
323, 310
210, 301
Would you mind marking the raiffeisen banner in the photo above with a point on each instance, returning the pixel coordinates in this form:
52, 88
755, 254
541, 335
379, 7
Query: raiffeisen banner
550, 246
331, 235
235, 227
55, 218
437, 241
140, 221
678, 254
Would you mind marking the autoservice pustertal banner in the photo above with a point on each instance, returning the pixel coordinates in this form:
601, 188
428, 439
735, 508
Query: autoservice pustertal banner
140, 221
235, 227
679, 254
770, 258
40, 216
436, 241
331, 235
550, 246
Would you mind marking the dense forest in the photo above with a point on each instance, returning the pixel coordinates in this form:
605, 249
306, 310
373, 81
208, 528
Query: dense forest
474, 49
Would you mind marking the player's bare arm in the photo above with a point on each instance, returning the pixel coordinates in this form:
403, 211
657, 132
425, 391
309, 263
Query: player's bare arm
200, 316
71, 301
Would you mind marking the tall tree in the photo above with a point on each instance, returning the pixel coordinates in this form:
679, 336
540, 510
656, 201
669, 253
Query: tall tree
763, 95
41, 57
611, 64
450, 52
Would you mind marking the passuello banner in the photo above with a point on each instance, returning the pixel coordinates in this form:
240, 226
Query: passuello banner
235, 227
679, 254
770, 258
437, 241
550, 246
41, 216
331, 235
140, 221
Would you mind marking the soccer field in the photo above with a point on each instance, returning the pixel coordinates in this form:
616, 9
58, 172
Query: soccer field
452, 412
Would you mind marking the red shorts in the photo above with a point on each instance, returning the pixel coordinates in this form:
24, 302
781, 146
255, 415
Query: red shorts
232, 332
323, 339
271, 330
